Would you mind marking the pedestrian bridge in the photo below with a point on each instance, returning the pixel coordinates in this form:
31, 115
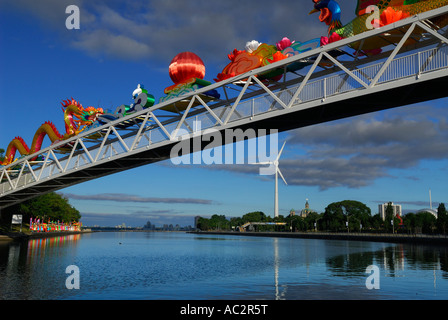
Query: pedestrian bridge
333, 83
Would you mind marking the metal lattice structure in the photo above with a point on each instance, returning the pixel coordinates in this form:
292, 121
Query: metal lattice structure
331, 86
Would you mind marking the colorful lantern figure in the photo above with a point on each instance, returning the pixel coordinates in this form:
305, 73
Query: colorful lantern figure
186, 67
187, 71
255, 55
390, 11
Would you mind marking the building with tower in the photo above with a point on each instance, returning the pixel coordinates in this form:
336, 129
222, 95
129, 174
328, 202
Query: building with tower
306, 211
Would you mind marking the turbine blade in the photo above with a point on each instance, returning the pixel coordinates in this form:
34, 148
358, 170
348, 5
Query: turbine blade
278, 170
281, 150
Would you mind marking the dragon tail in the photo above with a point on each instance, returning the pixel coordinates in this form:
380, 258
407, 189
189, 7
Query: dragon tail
17, 144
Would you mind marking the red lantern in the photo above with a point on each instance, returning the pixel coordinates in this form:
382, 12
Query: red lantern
185, 66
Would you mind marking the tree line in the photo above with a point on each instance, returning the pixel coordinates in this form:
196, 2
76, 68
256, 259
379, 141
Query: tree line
343, 216
50, 206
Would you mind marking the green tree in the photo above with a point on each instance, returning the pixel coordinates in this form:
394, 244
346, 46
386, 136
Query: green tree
256, 216
389, 216
203, 224
235, 222
425, 222
333, 218
2, 157
337, 214
296, 222
376, 222
409, 222
442, 219
50, 206
219, 222
310, 220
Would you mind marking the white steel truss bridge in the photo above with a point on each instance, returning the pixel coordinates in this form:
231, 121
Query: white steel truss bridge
334, 83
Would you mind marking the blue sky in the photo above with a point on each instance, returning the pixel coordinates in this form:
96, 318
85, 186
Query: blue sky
395, 155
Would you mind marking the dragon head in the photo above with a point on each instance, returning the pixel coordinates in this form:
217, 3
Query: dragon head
330, 13
75, 115
87, 116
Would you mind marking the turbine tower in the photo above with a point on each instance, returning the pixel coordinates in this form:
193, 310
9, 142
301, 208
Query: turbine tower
277, 172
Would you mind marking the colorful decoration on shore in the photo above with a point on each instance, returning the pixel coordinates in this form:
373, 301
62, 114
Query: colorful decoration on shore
390, 11
187, 71
76, 118
39, 225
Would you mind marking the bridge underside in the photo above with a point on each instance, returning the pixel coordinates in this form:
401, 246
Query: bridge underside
357, 105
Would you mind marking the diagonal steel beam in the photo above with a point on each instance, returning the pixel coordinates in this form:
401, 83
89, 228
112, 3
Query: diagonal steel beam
182, 120
392, 55
305, 80
237, 101
348, 72
270, 93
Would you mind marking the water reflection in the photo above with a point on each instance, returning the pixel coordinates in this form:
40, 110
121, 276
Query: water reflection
37, 249
183, 266
278, 295
391, 259
27, 267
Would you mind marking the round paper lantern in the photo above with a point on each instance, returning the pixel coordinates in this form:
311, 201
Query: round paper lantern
186, 65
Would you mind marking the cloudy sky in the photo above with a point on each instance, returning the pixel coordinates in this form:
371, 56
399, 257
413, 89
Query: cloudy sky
395, 155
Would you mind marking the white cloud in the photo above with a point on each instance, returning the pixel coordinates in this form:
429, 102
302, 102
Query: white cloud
102, 42
124, 197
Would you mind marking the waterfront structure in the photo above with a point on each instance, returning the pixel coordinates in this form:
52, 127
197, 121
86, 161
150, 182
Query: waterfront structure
395, 207
306, 211
430, 210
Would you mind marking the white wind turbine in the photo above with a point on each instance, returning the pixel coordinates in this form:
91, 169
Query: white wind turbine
277, 172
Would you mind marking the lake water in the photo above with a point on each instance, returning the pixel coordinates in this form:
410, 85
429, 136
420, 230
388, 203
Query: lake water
175, 266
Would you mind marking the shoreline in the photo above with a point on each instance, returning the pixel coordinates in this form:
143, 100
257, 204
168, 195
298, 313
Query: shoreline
17, 236
382, 237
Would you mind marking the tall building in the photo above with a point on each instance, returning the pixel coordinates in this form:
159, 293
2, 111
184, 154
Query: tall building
395, 207
196, 221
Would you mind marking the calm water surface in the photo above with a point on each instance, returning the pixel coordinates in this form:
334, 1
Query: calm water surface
154, 265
